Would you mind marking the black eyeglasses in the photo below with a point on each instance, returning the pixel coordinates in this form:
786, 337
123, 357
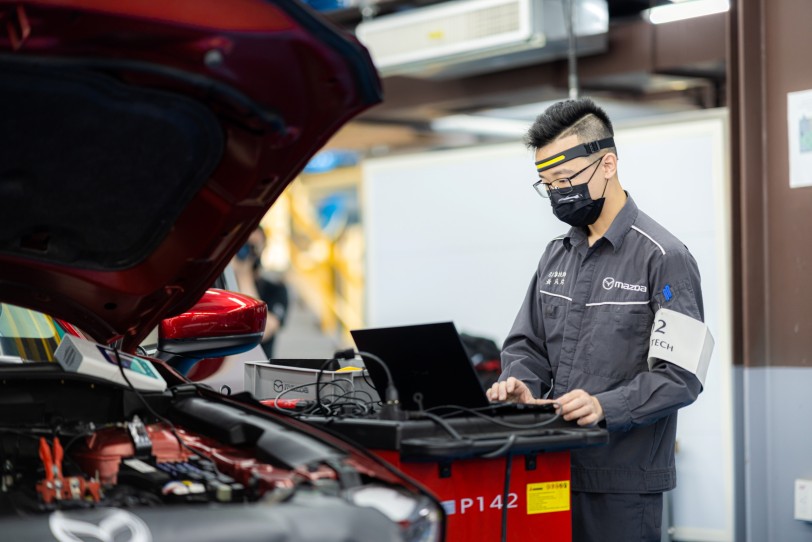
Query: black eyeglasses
561, 186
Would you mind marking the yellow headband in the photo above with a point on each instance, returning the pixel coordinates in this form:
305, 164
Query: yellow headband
577, 151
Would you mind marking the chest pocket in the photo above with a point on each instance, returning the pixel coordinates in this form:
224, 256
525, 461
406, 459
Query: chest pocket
553, 311
617, 346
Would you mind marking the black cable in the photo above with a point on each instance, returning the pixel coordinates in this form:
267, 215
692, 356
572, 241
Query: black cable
368, 355
305, 385
337, 404
442, 423
324, 406
350, 354
502, 449
87, 433
51, 432
512, 408
391, 402
21, 433
149, 408
54, 434
370, 384
368, 402
506, 494
321, 404
318, 380
496, 421
350, 399
338, 409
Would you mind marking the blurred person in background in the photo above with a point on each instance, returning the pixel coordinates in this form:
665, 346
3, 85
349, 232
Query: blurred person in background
247, 267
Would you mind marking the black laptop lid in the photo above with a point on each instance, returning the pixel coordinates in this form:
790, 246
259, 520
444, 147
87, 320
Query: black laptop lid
428, 359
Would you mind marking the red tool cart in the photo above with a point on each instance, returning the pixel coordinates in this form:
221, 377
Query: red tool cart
478, 465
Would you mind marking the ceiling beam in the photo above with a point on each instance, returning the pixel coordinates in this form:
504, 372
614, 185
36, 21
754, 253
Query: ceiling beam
639, 57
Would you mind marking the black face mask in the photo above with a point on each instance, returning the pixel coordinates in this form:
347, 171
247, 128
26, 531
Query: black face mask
577, 208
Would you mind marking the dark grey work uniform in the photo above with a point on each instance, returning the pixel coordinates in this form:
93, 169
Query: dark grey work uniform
586, 323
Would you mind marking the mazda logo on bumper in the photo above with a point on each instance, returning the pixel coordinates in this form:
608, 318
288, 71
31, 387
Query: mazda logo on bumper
112, 525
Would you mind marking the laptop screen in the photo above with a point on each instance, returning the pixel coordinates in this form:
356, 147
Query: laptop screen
424, 359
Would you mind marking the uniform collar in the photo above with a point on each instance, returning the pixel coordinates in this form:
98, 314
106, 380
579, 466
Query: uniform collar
574, 238
622, 223
617, 230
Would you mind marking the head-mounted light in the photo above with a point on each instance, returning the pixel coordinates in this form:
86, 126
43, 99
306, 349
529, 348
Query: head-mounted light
584, 149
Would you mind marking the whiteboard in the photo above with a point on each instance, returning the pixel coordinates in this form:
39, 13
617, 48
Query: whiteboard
457, 235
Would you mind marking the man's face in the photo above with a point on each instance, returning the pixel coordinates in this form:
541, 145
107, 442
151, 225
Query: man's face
256, 240
576, 170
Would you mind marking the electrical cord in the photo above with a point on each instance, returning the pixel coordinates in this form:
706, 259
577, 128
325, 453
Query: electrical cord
391, 402
350, 398
457, 408
328, 404
166, 421
444, 424
418, 398
329, 408
506, 446
338, 402
506, 494
350, 354
368, 382
318, 380
87, 433
368, 402
509, 442
305, 385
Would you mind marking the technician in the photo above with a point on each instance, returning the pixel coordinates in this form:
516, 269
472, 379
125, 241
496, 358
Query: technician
611, 328
251, 281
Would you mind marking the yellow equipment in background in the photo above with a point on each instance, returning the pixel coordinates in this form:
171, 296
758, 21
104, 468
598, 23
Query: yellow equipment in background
325, 247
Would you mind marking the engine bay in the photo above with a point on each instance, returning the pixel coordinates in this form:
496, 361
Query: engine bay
69, 441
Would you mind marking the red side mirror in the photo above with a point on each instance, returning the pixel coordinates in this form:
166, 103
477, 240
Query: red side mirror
220, 324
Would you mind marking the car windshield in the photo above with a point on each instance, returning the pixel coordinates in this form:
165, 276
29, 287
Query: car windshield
27, 335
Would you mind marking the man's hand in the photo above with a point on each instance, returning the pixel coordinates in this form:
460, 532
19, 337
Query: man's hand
579, 405
512, 390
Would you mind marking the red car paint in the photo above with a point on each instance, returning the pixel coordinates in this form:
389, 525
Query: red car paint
245, 48
214, 311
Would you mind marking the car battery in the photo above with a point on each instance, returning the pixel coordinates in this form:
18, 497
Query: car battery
489, 477
296, 379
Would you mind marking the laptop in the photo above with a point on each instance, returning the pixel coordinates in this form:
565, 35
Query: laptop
429, 366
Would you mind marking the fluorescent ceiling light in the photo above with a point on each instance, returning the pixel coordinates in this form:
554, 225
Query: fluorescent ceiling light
479, 125
686, 10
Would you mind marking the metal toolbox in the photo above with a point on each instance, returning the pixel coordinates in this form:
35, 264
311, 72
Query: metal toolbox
267, 380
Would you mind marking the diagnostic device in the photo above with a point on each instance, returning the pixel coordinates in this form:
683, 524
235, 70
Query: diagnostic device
81, 356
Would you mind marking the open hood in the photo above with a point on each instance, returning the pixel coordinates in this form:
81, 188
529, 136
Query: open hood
143, 141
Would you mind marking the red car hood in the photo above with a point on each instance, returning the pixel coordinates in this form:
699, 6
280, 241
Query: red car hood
143, 141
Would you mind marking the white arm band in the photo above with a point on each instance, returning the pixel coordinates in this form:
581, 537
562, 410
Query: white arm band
681, 340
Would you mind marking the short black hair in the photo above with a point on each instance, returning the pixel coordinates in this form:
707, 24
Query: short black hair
579, 117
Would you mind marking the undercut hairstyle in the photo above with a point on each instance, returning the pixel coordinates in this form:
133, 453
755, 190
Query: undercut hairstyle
580, 117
